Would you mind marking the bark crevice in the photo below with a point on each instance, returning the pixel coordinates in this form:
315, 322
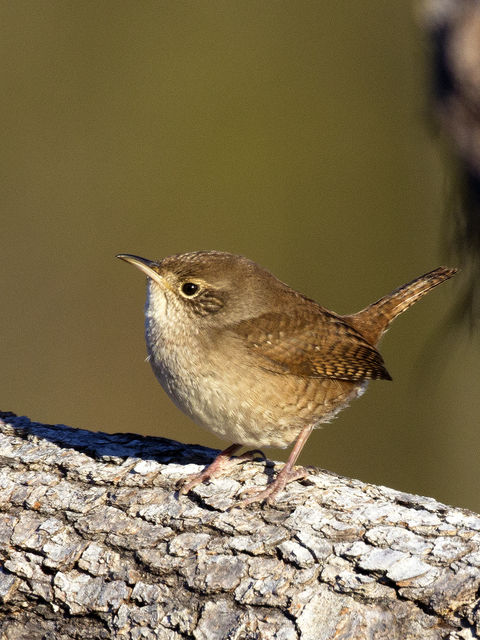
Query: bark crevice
96, 542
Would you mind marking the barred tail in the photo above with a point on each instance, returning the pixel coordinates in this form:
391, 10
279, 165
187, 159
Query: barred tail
375, 319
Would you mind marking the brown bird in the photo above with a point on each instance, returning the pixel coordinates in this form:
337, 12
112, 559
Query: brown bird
254, 361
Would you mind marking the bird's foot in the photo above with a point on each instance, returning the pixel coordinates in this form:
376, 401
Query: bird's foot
270, 493
222, 464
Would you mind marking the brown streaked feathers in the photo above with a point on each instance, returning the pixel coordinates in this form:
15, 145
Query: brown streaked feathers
320, 345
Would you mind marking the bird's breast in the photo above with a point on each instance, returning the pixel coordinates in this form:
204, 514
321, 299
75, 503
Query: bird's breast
223, 388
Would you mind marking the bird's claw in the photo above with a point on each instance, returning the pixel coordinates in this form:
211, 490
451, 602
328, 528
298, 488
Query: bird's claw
271, 491
220, 466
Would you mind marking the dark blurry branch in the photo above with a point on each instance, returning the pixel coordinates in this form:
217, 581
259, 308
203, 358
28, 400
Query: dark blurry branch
453, 27
95, 543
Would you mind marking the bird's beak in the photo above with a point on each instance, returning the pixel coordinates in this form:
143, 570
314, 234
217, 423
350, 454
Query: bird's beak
145, 265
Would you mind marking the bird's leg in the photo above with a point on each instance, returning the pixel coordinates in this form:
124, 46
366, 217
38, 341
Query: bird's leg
286, 475
222, 463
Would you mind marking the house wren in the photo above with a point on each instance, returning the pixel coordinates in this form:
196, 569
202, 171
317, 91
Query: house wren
254, 361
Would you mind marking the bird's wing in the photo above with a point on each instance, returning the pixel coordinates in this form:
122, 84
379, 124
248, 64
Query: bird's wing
322, 346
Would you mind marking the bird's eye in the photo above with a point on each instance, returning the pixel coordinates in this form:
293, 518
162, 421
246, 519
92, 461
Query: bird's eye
190, 288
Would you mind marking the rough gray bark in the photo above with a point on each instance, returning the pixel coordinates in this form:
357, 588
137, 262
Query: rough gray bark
96, 543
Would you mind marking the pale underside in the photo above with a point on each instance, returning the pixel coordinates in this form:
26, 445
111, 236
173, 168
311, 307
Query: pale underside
228, 405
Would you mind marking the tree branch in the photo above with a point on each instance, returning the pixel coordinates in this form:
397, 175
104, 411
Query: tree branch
96, 543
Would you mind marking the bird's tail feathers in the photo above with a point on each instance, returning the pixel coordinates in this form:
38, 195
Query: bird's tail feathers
374, 320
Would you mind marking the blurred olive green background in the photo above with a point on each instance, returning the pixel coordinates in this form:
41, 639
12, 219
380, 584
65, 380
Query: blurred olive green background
292, 132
